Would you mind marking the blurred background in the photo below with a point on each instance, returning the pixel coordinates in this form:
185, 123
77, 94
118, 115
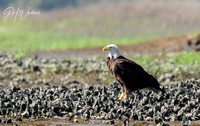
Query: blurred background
66, 24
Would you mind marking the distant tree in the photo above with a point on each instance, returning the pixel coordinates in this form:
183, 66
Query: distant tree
4, 3
88, 2
52, 4
25, 3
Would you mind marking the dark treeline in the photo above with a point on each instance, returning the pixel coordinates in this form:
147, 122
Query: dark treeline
54, 4
45, 4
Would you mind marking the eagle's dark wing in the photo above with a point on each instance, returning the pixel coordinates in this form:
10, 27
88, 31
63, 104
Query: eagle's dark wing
132, 75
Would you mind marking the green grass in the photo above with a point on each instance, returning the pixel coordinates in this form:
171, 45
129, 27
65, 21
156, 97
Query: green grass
31, 35
186, 64
29, 41
186, 58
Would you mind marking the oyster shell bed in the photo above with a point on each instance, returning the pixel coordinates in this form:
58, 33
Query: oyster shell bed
20, 98
101, 102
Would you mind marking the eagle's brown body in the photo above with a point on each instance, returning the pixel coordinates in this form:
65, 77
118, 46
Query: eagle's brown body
130, 75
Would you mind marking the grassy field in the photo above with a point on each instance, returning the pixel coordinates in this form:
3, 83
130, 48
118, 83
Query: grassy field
28, 36
98, 25
30, 40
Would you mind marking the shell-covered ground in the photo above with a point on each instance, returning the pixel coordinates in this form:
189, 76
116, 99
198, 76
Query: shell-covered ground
38, 88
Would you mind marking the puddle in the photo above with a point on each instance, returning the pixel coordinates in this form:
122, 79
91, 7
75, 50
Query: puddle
95, 121
67, 122
60, 121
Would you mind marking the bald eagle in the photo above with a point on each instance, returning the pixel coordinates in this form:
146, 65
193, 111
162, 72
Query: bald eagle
128, 73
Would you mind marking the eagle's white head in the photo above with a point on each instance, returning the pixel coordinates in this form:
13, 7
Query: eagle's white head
113, 51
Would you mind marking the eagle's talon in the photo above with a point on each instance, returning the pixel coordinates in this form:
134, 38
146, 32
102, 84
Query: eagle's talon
126, 96
121, 97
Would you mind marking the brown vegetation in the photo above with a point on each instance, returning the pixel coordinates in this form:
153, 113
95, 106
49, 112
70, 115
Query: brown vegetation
129, 19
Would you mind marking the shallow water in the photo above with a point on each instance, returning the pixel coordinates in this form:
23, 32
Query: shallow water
59, 122
67, 122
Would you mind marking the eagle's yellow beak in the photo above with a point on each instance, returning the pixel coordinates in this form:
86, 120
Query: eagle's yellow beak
105, 49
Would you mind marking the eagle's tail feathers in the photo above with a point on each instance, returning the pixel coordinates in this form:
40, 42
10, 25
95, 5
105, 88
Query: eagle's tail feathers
155, 85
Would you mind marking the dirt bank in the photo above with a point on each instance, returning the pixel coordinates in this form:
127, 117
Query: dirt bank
166, 45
